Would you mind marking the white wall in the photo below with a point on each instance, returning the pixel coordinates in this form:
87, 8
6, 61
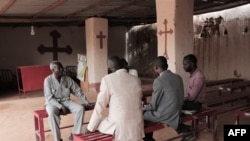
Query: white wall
19, 48
220, 56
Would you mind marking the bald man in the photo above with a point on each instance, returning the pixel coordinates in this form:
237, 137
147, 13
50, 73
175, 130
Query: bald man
57, 90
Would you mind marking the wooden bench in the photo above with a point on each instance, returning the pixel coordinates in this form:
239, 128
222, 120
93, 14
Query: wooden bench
39, 116
94, 136
222, 81
213, 99
152, 127
227, 99
243, 112
7, 80
211, 122
97, 136
228, 96
242, 85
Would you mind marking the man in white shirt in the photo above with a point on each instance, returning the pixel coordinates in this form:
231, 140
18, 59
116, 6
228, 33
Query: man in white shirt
57, 90
122, 94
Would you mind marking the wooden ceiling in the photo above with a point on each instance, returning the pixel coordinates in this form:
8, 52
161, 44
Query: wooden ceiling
74, 12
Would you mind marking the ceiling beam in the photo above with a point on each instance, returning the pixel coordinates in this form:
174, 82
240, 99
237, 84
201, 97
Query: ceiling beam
120, 7
7, 6
99, 3
40, 20
50, 7
144, 12
213, 8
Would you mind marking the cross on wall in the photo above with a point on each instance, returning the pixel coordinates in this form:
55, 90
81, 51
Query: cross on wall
55, 49
165, 32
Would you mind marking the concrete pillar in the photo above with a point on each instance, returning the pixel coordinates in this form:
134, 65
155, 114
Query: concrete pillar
97, 50
175, 32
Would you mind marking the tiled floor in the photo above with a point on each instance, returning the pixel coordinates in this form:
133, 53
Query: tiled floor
17, 123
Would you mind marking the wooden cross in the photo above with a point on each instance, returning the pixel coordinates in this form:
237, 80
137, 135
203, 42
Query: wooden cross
166, 32
55, 49
101, 36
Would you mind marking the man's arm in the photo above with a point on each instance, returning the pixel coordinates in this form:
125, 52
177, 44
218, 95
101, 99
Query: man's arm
76, 90
101, 104
156, 96
198, 83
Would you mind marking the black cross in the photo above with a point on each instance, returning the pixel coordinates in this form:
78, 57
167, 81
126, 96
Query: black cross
55, 49
100, 36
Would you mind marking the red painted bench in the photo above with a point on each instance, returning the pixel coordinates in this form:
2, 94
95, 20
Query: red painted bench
151, 127
94, 136
97, 136
205, 113
39, 116
211, 121
243, 112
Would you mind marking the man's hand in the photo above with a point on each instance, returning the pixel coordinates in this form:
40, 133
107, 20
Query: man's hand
87, 131
65, 110
89, 106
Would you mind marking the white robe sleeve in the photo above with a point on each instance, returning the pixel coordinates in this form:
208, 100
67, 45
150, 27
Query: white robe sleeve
101, 104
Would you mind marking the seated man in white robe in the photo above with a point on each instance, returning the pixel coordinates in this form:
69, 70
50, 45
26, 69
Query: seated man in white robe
122, 94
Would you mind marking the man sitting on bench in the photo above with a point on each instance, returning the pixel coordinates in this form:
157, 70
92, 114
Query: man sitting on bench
122, 92
57, 90
167, 98
196, 89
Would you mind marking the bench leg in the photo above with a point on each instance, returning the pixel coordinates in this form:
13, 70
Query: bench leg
237, 120
36, 128
211, 122
208, 122
39, 129
195, 125
214, 126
